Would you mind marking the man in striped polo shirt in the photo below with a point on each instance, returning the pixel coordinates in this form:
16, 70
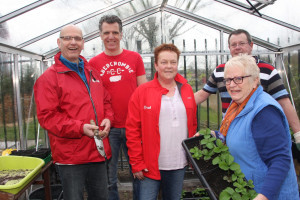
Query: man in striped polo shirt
240, 41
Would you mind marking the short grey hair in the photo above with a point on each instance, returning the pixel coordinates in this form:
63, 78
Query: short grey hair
247, 63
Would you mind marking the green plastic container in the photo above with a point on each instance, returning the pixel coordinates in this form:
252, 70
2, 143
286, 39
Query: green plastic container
20, 162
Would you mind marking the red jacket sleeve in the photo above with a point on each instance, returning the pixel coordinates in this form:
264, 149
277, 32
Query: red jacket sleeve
134, 134
47, 104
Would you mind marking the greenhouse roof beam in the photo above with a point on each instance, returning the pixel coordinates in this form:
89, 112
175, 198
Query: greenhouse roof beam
73, 22
295, 47
13, 50
247, 9
126, 21
217, 26
23, 10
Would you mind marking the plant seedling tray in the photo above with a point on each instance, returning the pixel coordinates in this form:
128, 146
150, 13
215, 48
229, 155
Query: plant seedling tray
17, 163
187, 145
43, 153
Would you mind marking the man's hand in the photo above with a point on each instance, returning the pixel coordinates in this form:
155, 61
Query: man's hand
106, 124
88, 129
297, 139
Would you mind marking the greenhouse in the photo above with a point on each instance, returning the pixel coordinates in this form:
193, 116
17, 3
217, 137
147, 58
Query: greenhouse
200, 29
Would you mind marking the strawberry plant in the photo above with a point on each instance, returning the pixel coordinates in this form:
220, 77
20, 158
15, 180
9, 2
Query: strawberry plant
213, 150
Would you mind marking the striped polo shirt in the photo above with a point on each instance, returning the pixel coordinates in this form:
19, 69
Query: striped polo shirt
269, 78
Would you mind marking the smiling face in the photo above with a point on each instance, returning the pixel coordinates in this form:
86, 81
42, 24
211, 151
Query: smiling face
239, 92
70, 49
111, 37
239, 44
166, 65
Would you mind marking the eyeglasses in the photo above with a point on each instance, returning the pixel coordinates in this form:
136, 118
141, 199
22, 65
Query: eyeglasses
236, 80
69, 38
240, 44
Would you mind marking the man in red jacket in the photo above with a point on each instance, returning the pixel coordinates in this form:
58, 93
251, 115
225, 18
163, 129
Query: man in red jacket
68, 95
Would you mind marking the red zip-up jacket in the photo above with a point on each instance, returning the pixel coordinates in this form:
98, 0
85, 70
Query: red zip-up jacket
142, 124
64, 105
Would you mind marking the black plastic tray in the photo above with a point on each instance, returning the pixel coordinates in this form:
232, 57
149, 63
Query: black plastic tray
187, 145
40, 153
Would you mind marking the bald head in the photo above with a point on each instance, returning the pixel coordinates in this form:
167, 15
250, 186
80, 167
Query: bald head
71, 28
70, 42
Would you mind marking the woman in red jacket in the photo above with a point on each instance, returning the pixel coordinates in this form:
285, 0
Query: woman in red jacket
161, 113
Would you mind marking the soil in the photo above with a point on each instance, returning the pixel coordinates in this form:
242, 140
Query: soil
11, 177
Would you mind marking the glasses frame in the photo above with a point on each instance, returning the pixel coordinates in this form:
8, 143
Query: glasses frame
227, 81
240, 44
69, 38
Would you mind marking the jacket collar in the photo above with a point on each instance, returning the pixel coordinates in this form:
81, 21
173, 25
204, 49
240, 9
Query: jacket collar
250, 104
180, 80
60, 67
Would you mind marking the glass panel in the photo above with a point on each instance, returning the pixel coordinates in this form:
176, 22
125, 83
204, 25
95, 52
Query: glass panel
8, 120
8, 6
9, 127
29, 72
50, 16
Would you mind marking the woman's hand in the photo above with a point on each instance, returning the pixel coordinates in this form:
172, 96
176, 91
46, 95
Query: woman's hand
139, 175
260, 197
196, 134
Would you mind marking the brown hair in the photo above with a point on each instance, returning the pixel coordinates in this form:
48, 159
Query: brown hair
110, 19
240, 31
165, 47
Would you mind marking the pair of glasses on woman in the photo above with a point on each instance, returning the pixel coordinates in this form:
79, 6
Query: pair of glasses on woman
236, 80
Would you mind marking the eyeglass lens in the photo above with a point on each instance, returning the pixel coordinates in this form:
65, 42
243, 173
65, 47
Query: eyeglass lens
69, 38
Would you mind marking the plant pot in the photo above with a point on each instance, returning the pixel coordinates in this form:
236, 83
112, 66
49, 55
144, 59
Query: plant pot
211, 176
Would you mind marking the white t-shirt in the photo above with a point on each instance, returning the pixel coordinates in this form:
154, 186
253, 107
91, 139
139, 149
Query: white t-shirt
173, 130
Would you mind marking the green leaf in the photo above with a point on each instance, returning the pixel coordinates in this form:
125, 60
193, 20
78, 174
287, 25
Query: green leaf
236, 196
233, 177
234, 166
210, 145
216, 161
224, 196
223, 166
229, 159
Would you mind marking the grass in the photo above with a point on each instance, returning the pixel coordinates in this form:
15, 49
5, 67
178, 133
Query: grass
213, 118
13, 135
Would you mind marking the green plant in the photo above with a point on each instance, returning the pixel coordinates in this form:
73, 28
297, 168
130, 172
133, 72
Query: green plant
199, 192
196, 152
183, 193
209, 145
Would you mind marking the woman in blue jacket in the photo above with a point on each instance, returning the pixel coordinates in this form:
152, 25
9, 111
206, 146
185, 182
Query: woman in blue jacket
257, 133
